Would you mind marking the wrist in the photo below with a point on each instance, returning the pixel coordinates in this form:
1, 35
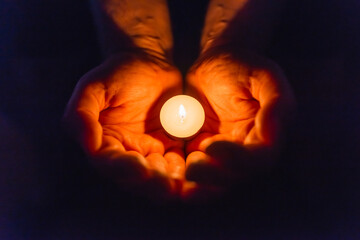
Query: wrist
135, 25
225, 50
141, 56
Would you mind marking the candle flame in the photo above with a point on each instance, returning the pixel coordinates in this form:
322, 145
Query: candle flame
182, 113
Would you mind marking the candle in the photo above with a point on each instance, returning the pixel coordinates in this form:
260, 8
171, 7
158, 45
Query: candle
182, 116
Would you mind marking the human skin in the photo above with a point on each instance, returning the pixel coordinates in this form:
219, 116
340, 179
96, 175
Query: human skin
247, 102
114, 109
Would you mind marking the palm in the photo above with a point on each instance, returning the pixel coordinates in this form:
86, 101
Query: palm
245, 99
230, 91
115, 110
130, 116
227, 99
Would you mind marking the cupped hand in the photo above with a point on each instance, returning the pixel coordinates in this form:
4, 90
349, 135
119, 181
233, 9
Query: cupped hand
247, 102
114, 114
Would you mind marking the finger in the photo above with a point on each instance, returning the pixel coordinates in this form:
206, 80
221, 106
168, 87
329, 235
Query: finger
277, 101
159, 186
166, 142
241, 160
194, 144
111, 143
201, 142
142, 143
229, 154
82, 114
168, 171
127, 168
195, 157
157, 162
203, 170
176, 163
269, 126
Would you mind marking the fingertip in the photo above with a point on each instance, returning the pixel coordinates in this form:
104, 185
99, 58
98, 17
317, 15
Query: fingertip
82, 113
202, 169
195, 157
198, 142
84, 129
192, 162
157, 162
131, 167
201, 172
213, 138
277, 102
227, 152
206, 173
176, 163
177, 152
165, 171
268, 125
126, 168
218, 148
163, 142
139, 157
238, 160
159, 187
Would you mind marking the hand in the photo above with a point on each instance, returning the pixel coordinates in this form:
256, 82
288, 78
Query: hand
246, 100
114, 114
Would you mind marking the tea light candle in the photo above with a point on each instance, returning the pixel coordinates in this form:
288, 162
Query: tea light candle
182, 116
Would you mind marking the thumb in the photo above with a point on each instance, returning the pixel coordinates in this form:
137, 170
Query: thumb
82, 114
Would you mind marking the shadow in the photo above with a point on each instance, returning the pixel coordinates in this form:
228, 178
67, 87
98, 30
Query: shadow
187, 19
318, 48
252, 26
154, 115
50, 44
112, 38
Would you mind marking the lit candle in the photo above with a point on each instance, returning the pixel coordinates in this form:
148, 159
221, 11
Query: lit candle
182, 116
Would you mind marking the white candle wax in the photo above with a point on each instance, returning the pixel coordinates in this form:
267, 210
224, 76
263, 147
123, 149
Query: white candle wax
182, 116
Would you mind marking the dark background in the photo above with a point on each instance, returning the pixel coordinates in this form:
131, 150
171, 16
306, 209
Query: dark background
49, 191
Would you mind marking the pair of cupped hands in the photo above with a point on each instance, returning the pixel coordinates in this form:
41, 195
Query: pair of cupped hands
114, 114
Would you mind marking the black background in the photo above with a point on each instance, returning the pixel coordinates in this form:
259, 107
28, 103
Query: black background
49, 191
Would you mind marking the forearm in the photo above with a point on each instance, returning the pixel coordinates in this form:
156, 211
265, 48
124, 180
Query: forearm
134, 24
245, 23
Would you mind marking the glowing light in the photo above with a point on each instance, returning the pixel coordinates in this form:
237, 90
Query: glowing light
182, 113
182, 116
